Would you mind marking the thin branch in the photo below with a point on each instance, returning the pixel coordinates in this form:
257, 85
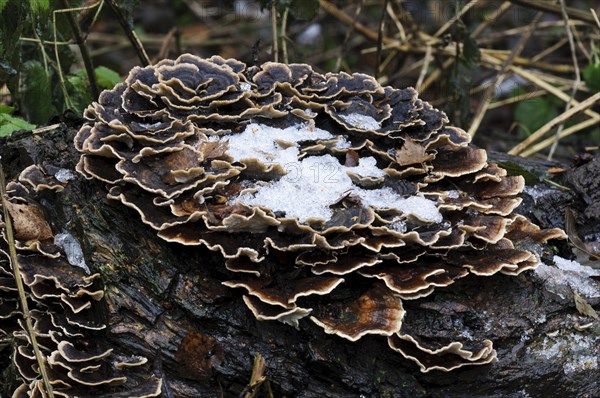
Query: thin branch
380, 39
426, 61
338, 61
164, 48
394, 18
518, 149
577, 76
483, 106
133, 39
274, 28
548, 6
345, 18
256, 379
41, 360
455, 18
284, 50
85, 55
565, 133
595, 17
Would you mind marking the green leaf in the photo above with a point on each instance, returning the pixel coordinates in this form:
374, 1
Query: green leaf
304, 9
6, 109
107, 78
591, 75
514, 169
36, 93
39, 6
3, 4
79, 91
533, 113
9, 123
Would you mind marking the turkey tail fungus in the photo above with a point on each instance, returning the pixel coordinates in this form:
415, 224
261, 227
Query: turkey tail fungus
309, 184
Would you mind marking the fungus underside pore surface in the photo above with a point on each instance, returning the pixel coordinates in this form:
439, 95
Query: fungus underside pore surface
308, 185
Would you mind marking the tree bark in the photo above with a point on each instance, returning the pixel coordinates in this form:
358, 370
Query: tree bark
166, 302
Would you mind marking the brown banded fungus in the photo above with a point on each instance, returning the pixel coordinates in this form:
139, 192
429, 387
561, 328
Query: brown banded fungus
329, 196
64, 300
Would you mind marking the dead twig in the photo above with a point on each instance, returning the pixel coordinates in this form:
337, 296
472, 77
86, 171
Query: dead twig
164, 48
380, 39
85, 55
552, 8
133, 39
338, 61
518, 149
483, 106
284, 19
275, 35
256, 379
577, 76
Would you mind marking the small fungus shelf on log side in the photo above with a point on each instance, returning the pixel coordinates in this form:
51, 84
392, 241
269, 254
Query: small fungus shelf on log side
64, 302
310, 184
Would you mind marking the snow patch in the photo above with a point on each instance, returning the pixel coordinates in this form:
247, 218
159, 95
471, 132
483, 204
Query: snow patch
320, 181
314, 183
64, 175
453, 194
245, 86
72, 249
569, 276
343, 144
258, 141
574, 266
579, 352
359, 121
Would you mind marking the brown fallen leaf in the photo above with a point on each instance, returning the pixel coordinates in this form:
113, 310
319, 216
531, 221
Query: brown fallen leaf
584, 308
29, 222
412, 153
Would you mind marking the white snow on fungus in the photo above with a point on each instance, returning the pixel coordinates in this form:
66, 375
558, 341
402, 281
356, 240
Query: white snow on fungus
314, 183
261, 142
363, 122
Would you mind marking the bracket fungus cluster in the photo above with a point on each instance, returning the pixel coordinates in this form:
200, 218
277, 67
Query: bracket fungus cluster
64, 306
329, 196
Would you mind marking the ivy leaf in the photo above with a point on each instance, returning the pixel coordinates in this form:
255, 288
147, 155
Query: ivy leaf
9, 123
533, 113
107, 78
36, 93
591, 75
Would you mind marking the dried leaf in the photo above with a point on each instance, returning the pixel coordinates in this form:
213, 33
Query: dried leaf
412, 153
571, 230
352, 159
213, 149
584, 308
29, 222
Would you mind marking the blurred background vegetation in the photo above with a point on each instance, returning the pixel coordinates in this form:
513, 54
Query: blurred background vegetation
515, 74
